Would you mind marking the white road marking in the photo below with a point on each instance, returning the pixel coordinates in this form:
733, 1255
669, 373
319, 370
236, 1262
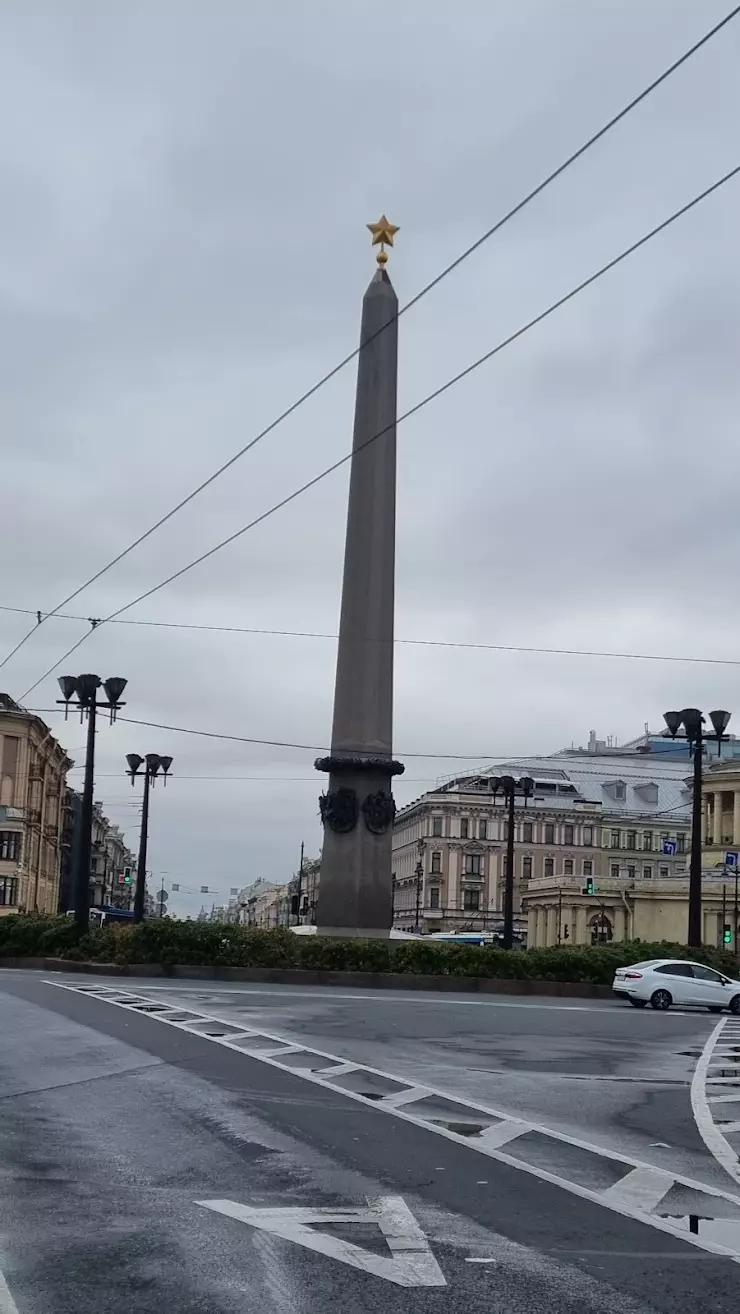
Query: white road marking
382, 997
480, 1259
399, 1097
323, 1077
709, 1130
7, 1304
643, 1188
412, 1265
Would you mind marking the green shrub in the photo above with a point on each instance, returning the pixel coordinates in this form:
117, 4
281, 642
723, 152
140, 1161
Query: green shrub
170, 943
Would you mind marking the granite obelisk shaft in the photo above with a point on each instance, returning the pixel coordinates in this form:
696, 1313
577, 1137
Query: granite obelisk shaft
355, 892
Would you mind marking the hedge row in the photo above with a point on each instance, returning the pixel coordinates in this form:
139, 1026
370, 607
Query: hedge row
210, 943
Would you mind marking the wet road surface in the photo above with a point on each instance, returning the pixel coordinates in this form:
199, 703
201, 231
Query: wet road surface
115, 1129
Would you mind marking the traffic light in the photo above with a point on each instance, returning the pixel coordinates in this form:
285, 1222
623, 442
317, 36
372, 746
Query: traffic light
127, 876
589, 887
728, 933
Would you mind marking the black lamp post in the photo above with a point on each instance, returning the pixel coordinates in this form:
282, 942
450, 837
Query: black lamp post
152, 764
419, 873
510, 787
84, 688
692, 721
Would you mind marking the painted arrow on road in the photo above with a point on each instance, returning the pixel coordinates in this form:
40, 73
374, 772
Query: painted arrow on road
412, 1263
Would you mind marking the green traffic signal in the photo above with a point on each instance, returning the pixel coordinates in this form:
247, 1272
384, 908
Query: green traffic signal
127, 875
589, 885
728, 934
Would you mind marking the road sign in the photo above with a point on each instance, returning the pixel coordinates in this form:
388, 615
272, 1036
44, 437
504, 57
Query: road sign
731, 860
412, 1263
670, 848
163, 896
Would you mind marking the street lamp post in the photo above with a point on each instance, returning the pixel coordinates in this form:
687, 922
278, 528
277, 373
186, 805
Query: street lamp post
419, 873
692, 721
152, 764
510, 787
85, 689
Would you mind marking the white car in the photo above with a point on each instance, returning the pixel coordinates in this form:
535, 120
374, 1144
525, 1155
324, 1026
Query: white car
665, 981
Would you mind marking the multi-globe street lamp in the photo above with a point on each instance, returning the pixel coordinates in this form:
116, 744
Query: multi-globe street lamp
152, 765
693, 732
84, 688
510, 787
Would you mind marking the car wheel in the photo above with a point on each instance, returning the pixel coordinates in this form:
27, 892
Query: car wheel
663, 999
734, 1004
638, 1003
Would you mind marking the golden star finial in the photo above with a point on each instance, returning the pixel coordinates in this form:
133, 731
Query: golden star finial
383, 233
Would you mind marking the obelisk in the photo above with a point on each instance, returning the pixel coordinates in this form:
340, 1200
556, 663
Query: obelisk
357, 810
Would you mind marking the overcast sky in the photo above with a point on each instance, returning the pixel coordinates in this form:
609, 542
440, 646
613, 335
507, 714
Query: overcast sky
183, 251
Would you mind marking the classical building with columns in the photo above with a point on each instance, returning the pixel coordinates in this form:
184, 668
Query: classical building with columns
721, 830
591, 816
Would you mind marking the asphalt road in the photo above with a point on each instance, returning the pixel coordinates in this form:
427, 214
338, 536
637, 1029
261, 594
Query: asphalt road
600, 1071
116, 1126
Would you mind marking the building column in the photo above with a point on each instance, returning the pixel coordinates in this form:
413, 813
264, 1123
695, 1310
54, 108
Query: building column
717, 819
581, 922
736, 818
453, 881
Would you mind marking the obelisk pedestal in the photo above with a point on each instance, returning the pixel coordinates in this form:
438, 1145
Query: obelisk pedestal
357, 810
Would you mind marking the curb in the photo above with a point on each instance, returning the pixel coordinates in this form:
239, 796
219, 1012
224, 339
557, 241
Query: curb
308, 977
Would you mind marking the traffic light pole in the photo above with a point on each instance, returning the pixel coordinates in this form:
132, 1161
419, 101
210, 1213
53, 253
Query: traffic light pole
141, 865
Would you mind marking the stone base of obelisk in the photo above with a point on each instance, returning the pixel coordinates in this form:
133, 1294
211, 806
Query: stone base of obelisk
356, 887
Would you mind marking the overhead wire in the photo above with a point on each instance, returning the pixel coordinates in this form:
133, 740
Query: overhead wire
413, 410
448, 269
420, 643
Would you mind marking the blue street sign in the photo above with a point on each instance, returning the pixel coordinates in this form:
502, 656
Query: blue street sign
731, 860
670, 848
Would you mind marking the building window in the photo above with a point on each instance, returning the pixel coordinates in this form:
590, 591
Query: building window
620, 791
473, 864
631, 839
527, 832
436, 861
614, 871
8, 892
663, 872
588, 867
471, 900
434, 898
647, 873
10, 846
680, 843
588, 836
568, 835
526, 869
549, 867
549, 833
463, 828
568, 867
647, 841
436, 826
631, 873
615, 839
482, 830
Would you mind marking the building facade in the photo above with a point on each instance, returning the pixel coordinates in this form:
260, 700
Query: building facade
33, 769
561, 913
109, 858
721, 813
590, 817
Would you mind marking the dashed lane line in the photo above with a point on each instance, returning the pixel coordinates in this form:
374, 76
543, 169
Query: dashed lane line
330, 993
615, 1181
